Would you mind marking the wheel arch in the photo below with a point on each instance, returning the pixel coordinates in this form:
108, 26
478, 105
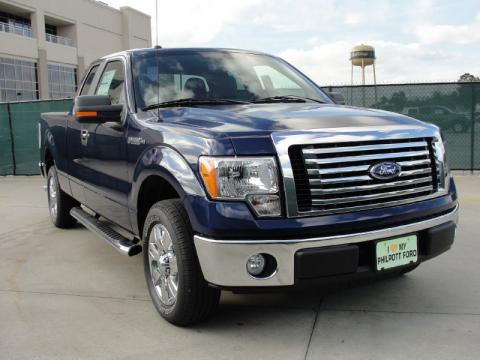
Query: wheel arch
154, 188
49, 150
161, 173
48, 160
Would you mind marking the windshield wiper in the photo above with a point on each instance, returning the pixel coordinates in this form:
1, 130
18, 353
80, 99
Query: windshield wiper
286, 98
192, 102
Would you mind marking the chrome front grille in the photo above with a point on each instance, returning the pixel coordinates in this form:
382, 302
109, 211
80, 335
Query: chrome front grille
334, 177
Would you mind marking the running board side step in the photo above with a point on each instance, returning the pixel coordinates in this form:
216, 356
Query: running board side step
118, 241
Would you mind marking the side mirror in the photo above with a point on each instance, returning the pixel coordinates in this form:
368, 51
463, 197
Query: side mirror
96, 109
337, 98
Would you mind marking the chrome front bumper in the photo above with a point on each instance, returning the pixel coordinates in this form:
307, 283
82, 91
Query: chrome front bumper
223, 262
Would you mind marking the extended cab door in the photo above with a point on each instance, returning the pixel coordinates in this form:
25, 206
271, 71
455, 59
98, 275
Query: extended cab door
103, 172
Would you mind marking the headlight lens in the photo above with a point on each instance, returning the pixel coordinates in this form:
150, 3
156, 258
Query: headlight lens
441, 162
235, 178
243, 178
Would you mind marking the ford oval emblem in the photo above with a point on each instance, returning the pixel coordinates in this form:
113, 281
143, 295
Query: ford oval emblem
385, 171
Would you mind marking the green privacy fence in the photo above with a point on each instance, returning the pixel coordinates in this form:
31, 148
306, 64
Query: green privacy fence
19, 134
454, 107
6, 158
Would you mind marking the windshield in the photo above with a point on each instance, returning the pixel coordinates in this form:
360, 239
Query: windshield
161, 77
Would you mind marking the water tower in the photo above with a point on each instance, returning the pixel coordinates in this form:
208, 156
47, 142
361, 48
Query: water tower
363, 55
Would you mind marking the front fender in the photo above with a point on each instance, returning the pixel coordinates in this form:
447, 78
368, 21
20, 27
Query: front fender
167, 163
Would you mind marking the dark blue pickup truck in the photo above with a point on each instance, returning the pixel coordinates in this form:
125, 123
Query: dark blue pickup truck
232, 170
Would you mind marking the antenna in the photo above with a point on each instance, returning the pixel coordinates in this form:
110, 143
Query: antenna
156, 22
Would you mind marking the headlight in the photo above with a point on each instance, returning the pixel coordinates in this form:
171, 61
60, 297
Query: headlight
441, 162
254, 180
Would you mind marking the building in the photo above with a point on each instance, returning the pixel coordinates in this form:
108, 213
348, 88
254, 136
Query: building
46, 45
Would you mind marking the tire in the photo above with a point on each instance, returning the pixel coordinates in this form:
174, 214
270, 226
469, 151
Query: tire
59, 203
170, 262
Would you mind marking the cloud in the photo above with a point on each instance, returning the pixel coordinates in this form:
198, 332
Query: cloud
432, 42
190, 23
353, 18
328, 64
450, 34
325, 64
194, 23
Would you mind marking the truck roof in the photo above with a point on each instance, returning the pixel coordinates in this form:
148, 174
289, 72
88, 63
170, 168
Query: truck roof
180, 50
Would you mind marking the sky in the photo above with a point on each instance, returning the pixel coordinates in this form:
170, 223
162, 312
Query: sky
414, 40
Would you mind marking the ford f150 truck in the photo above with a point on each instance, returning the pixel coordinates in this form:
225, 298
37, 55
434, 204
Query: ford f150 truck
232, 170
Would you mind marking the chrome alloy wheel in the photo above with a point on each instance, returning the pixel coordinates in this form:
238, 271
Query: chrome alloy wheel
52, 196
163, 264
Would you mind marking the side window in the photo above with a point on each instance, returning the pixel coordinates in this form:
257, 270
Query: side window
112, 82
88, 80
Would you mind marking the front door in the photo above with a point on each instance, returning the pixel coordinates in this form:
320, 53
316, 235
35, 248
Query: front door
105, 177
77, 141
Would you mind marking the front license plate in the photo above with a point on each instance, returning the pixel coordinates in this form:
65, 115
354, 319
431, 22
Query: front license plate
396, 252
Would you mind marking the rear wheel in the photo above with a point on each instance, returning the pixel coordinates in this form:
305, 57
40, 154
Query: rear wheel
59, 203
174, 278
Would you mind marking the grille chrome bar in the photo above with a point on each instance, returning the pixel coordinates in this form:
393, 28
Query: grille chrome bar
369, 206
377, 147
367, 146
337, 183
341, 180
390, 194
371, 186
362, 167
367, 157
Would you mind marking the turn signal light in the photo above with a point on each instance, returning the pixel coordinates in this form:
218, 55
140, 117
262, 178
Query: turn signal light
80, 114
207, 172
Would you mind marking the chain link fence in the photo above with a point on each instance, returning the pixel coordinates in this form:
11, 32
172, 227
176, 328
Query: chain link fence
19, 134
454, 107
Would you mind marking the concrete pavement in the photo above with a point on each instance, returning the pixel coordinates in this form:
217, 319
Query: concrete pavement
65, 294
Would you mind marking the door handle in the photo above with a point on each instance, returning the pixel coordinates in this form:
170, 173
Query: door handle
84, 135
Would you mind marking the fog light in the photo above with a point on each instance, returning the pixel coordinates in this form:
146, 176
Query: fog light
265, 205
256, 264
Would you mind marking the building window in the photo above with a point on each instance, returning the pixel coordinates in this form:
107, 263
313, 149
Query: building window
62, 81
18, 80
15, 24
50, 29
51, 35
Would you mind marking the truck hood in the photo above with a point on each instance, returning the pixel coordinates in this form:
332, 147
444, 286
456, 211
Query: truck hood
265, 118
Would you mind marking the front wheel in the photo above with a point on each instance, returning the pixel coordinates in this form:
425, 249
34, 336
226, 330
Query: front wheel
174, 278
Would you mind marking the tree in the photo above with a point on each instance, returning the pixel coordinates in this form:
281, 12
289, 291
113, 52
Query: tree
467, 77
398, 101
